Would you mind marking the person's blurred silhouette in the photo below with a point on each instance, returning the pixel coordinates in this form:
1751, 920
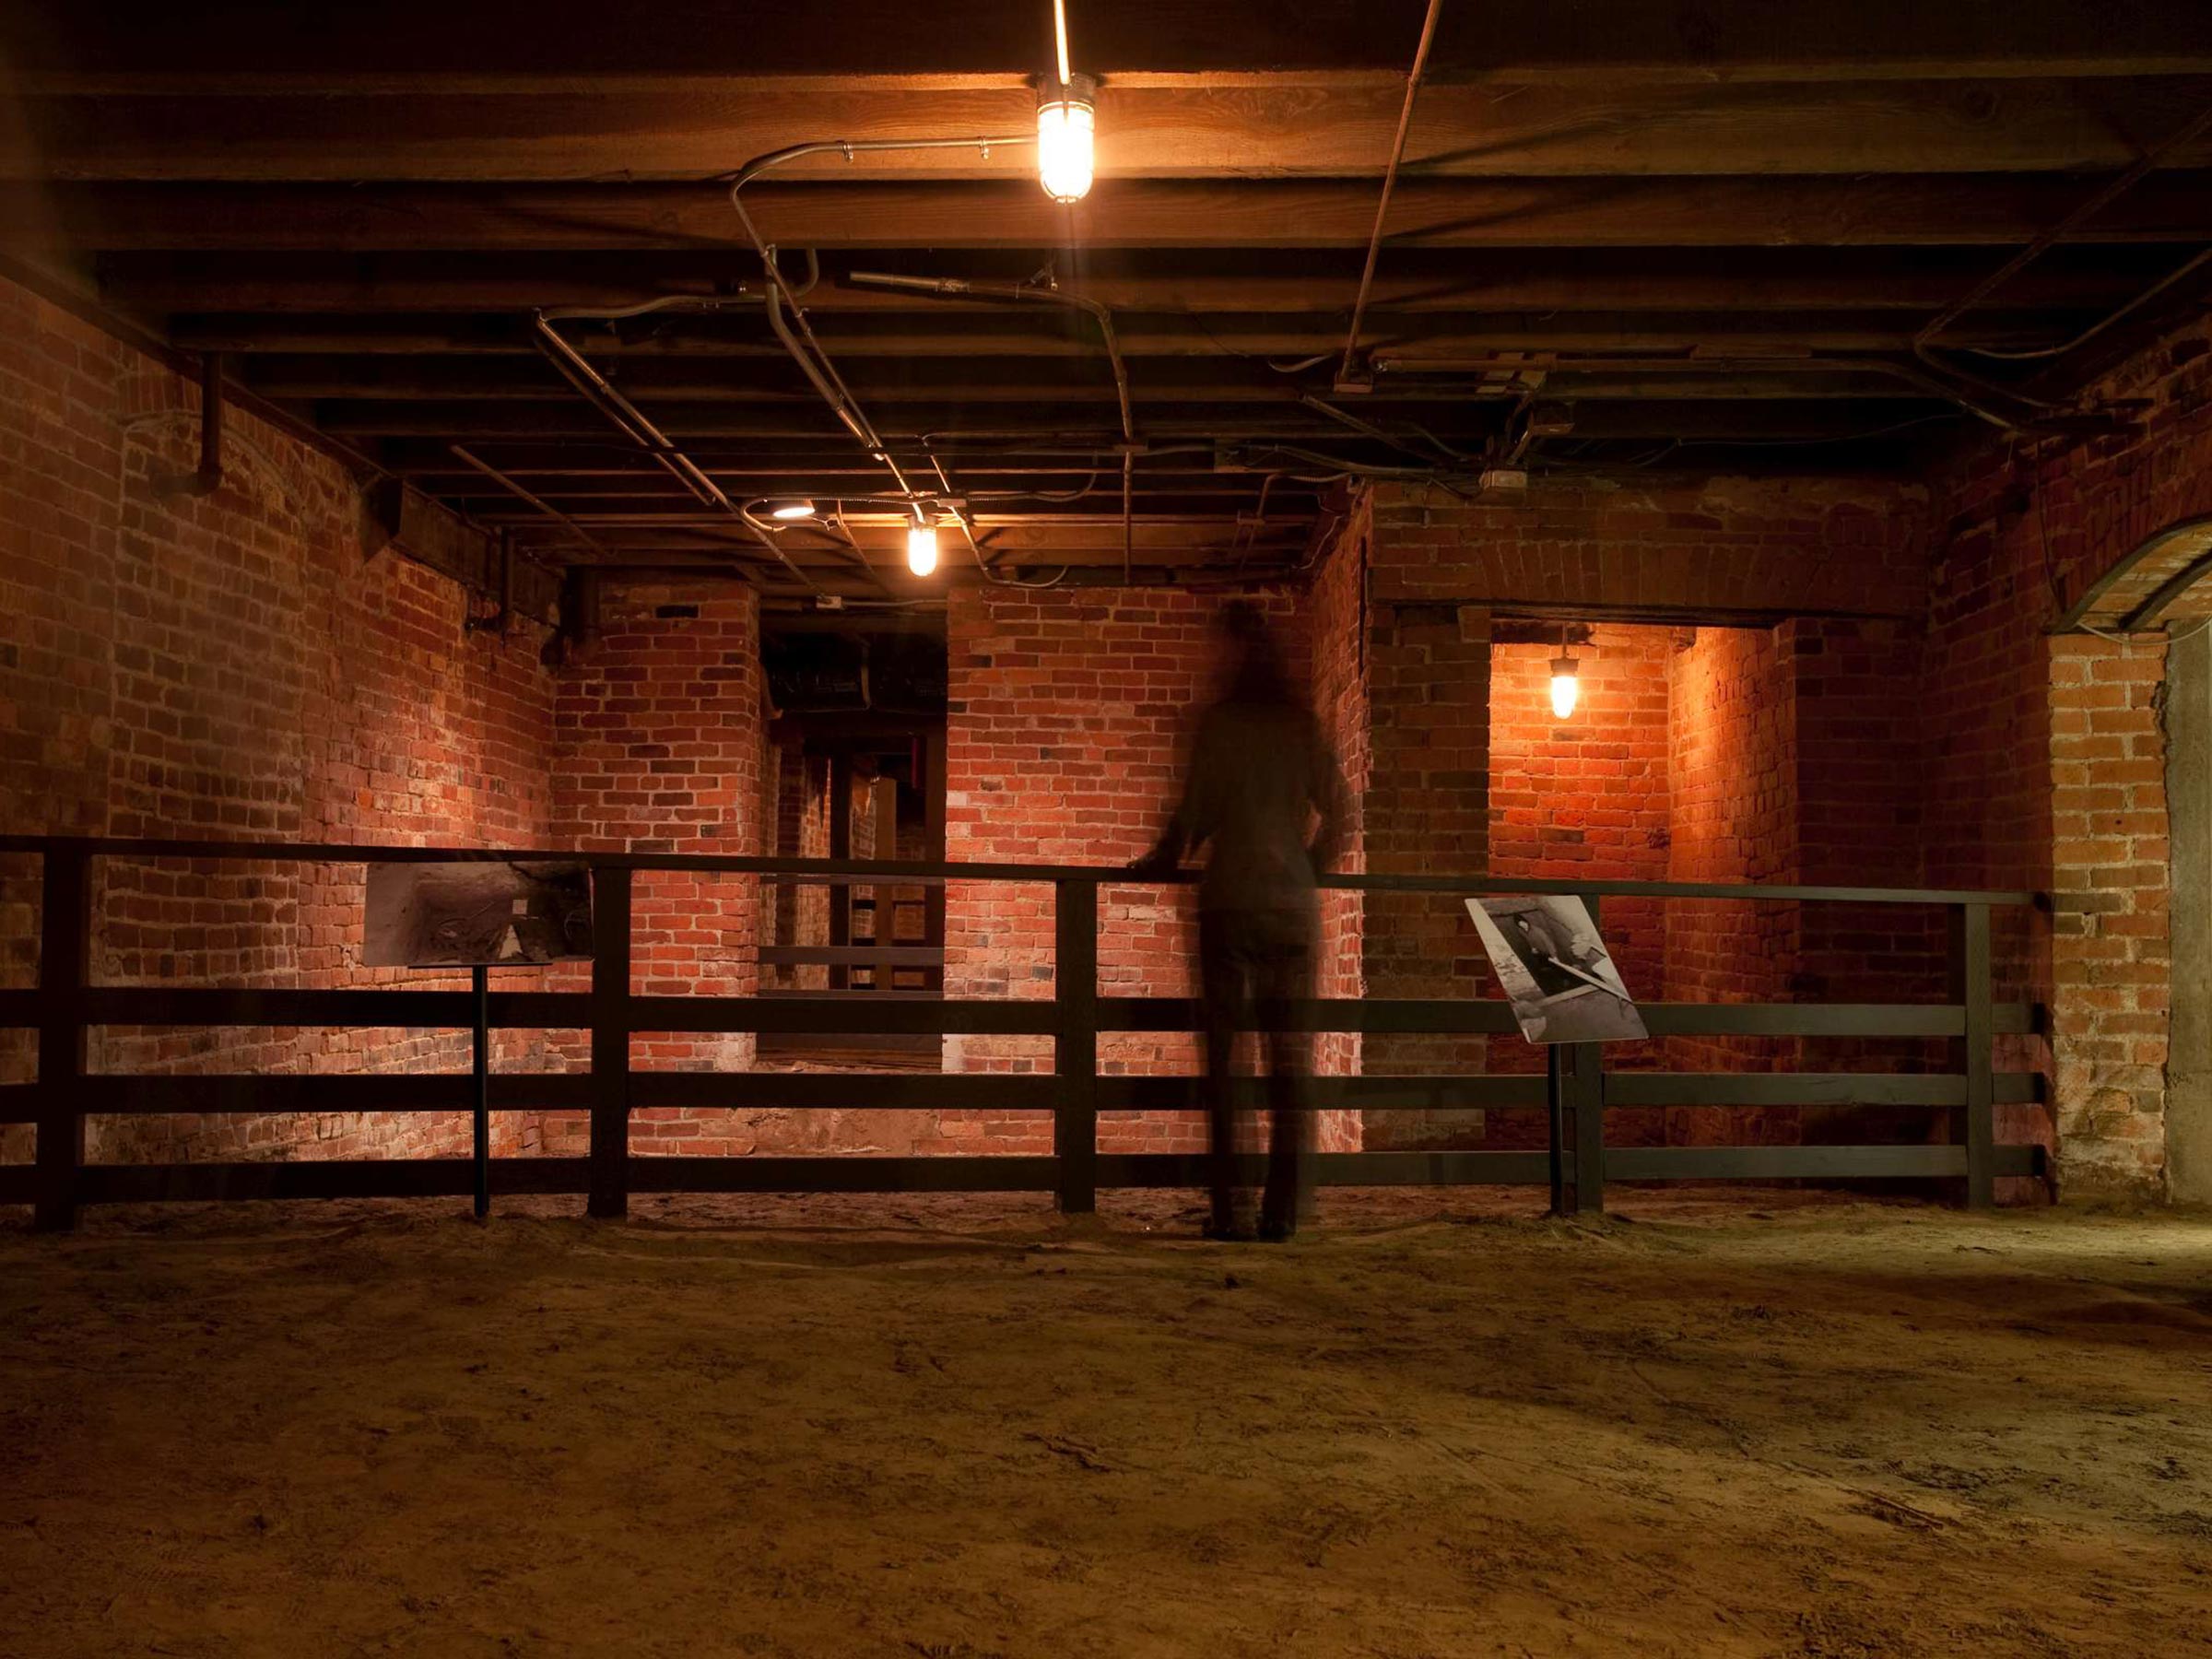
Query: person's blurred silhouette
1264, 790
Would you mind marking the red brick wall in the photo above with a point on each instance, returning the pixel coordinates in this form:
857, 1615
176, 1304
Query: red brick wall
1586, 798
233, 666
2110, 947
658, 747
2014, 754
1334, 617
1775, 544
1427, 813
1070, 712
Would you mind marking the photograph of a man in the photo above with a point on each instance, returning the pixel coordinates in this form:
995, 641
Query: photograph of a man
1556, 971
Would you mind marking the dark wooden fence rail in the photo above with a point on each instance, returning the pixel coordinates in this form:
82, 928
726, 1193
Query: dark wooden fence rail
65, 1006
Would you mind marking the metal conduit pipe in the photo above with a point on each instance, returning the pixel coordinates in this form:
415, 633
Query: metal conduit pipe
1924, 341
805, 349
959, 287
2196, 263
1934, 382
602, 395
1390, 182
209, 477
522, 494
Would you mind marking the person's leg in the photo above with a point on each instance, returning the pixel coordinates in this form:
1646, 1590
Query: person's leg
1221, 990
1286, 977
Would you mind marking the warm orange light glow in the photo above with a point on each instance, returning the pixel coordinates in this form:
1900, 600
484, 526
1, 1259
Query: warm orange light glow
922, 549
1565, 686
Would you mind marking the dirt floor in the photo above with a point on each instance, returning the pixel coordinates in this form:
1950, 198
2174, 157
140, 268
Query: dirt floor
1752, 1425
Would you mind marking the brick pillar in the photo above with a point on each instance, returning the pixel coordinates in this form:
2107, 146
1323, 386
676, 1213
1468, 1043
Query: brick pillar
2111, 961
1427, 810
659, 747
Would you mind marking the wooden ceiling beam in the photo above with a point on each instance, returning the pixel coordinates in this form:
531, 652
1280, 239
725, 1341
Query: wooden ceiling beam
115, 46
1185, 127
1221, 339
1043, 424
881, 384
2000, 210
1278, 282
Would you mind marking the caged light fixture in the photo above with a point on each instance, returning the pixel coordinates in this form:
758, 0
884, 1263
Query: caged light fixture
1565, 683
922, 546
1066, 124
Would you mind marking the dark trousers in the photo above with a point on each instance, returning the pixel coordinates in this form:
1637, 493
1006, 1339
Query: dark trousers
1251, 964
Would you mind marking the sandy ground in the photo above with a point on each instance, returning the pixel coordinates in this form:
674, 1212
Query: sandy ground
957, 1427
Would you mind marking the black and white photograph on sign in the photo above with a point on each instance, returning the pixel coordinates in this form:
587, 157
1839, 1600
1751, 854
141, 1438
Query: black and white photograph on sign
497, 914
1555, 969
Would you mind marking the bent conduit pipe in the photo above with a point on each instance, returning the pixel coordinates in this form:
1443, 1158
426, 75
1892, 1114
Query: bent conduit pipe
1924, 341
1389, 183
813, 361
209, 477
601, 394
515, 489
959, 287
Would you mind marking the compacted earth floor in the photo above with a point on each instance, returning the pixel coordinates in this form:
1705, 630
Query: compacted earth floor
1756, 1424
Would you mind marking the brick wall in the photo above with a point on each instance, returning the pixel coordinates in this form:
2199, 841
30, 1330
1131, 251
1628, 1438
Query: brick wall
1070, 715
1427, 811
232, 664
1334, 620
2014, 756
1774, 545
2110, 947
659, 747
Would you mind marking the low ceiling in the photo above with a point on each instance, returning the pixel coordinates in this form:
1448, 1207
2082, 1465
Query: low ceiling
1628, 238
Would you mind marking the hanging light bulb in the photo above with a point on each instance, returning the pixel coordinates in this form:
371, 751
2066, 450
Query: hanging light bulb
791, 510
1565, 684
1066, 124
922, 548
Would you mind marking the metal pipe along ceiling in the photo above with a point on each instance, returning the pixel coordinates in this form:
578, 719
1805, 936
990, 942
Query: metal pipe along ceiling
959, 287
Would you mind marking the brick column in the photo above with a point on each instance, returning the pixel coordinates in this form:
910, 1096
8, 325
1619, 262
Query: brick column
2111, 959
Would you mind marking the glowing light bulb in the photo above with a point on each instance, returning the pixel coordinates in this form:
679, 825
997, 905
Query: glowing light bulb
1066, 130
922, 549
791, 510
1565, 686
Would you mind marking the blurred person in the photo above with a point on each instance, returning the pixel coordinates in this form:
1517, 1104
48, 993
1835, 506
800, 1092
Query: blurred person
1263, 791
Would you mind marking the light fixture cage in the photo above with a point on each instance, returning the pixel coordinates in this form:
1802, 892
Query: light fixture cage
1068, 124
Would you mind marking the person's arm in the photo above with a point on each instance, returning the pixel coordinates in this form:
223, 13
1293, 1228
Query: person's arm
1329, 801
1191, 822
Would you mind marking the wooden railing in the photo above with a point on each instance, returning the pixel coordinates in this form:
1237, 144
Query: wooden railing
1578, 1089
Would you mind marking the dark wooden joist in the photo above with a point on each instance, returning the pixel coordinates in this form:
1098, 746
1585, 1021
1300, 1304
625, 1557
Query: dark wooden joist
1935, 210
735, 345
1315, 281
1016, 423
125, 46
888, 383
1175, 126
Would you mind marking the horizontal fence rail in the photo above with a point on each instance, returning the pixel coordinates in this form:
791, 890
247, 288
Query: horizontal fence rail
1577, 1091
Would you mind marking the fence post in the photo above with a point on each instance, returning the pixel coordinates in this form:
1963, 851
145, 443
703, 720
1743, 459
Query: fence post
1076, 987
65, 953
1972, 974
1554, 1104
1585, 1083
610, 1045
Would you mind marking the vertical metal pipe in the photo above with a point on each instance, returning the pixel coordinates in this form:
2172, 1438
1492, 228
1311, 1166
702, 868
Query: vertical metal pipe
481, 977
1389, 183
209, 477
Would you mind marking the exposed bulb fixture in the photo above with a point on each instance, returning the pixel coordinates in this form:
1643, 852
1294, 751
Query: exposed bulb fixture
922, 549
1565, 684
791, 510
1066, 124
